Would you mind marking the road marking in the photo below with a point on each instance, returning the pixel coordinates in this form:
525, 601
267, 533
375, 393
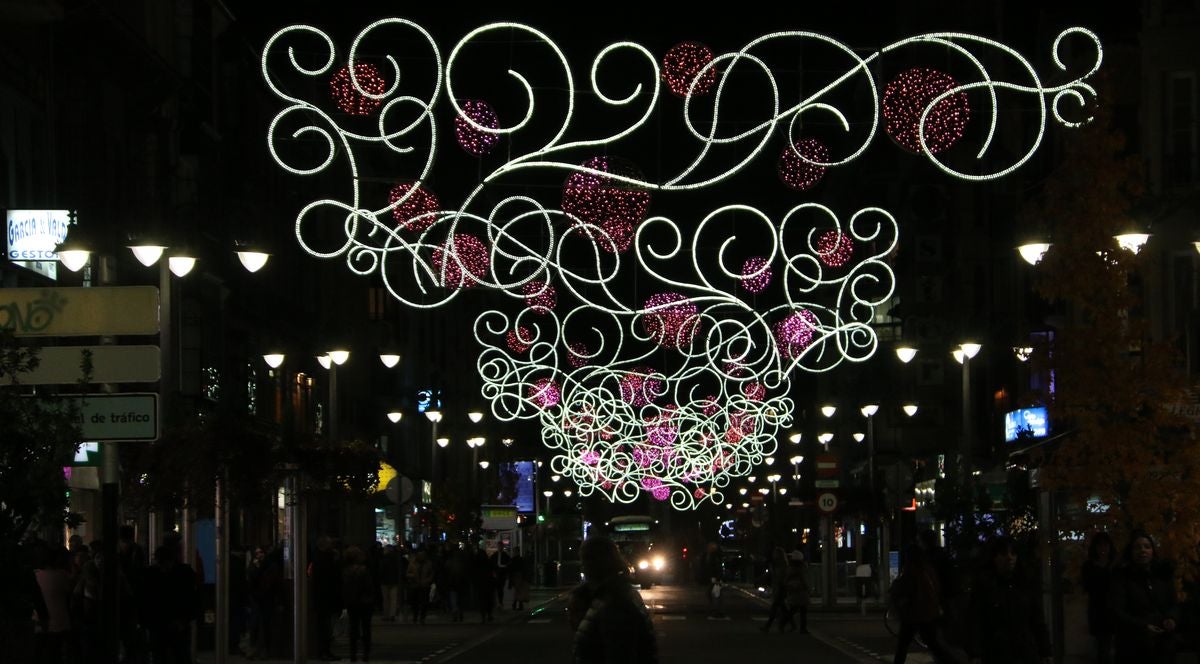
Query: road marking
719, 618
669, 617
539, 621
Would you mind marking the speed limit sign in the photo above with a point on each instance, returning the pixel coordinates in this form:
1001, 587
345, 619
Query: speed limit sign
827, 502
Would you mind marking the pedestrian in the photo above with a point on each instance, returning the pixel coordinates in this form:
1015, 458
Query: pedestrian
51, 638
778, 581
457, 570
389, 582
1142, 599
484, 572
797, 590
263, 576
86, 603
501, 561
1005, 618
133, 566
917, 597
714, 571
358, 596
615, 627
327, 591
518, 580
1097, 580
420, 582
172, 603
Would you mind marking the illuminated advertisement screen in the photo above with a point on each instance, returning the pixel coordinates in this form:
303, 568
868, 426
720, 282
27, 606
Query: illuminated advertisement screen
516, 485
1031, 422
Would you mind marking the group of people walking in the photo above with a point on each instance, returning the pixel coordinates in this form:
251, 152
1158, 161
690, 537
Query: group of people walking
351, 584
994, 615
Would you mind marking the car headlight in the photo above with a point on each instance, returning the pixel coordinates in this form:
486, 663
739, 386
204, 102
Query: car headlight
643, 564
658, 562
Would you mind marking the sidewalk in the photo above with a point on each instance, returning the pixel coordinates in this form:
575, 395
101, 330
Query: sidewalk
403, 642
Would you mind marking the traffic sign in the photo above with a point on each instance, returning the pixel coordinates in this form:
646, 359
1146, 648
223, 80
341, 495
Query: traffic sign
827, 484
827, 502
60, 365
75, 312
102, 417
827, 465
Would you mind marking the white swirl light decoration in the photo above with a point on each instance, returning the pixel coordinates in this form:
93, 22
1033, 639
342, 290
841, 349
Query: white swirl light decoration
673, 396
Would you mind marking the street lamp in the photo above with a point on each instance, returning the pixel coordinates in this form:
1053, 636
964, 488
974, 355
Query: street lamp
965, 352
828, 410
824, 439
795, 438
395, 416
331, 361
1033, 252
906, 353
484, 465
910, 409
475, 416
869, 410
273, 360
389, 360
434, 416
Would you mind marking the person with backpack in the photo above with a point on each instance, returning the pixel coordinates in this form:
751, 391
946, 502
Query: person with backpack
917, 597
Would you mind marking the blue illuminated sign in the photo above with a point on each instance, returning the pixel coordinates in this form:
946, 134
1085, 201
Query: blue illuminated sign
1031, 422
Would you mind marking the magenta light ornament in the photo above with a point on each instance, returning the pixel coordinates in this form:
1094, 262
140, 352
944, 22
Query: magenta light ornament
756, 274
545, 393
908, 96
639, 388
682, 64
754, 391
471, 253
671, 320
614, 206
470, 138
349, 99
796, 167
795, 333
517, 340
577, 354
540, 297
835, 248
417, 211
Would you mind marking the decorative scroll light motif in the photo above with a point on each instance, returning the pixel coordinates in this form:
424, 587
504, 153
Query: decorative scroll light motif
683, 394
356, 94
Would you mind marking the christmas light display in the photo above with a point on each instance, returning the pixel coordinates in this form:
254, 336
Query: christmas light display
756, 274
685, 393
919, 115
835, 248
468, 261
801, 165
351, 93
599, 200
471, 127
540, 296
684, 70
414, 207
670, 320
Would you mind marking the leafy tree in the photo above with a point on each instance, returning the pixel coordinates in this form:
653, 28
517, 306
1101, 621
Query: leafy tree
37, 438
1125, 451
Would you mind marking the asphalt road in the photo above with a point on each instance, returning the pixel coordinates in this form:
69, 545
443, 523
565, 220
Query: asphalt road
687, 634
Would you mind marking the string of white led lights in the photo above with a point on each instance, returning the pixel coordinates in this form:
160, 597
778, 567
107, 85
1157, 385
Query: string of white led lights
675, 395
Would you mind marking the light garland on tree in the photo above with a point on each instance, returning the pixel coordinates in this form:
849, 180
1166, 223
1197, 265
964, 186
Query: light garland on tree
683, 394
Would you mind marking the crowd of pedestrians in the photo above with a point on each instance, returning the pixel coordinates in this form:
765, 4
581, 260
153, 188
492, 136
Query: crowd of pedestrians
991, 612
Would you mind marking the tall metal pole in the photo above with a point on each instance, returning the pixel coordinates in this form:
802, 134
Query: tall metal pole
299, 552
880, 524
109, 497
965, 451
829, 561
221, 516
333, 403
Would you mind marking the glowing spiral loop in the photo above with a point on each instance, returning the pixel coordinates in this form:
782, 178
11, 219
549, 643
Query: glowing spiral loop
678, 385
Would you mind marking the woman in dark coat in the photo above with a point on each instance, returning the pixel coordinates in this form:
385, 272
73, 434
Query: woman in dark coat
1097, 579
358, 596
1142, 599
1007, 625
615, 628
779, 573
